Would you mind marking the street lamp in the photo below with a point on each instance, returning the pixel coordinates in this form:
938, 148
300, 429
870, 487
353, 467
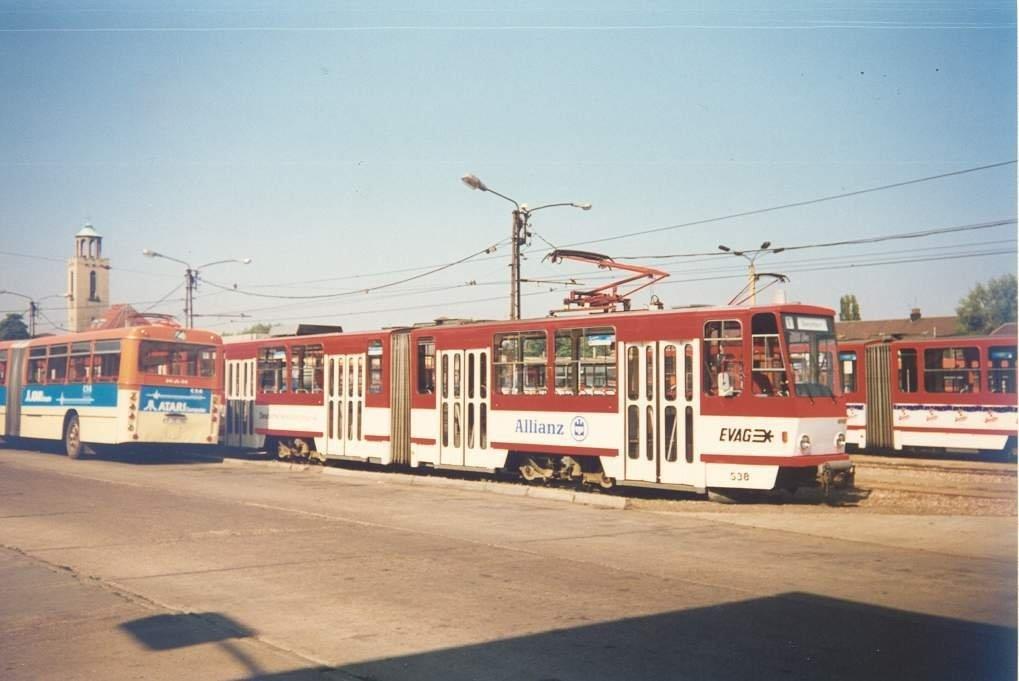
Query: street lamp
33, 307
518, 235
751, 268
191, 279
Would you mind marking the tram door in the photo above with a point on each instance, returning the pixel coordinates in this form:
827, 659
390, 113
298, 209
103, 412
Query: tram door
344, 404
240, 403
463, 405
659, 410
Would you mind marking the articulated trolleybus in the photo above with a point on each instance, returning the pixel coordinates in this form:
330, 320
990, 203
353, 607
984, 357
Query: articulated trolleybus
932, 393
140, 384
743, 398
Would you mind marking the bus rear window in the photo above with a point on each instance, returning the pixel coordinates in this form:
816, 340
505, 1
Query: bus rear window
176, 359
106, 361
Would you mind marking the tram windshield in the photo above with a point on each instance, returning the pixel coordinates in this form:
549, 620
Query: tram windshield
812, 354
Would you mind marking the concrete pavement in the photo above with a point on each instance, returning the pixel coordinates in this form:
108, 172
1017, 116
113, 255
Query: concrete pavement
375, 579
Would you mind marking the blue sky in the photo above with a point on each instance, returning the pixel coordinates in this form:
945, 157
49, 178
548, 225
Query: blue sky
328, 141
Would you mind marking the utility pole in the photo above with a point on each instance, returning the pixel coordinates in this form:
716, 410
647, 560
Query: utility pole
33, 309
191, 280
752, 267
518, 234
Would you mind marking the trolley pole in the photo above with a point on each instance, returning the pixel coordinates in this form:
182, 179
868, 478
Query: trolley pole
518, 234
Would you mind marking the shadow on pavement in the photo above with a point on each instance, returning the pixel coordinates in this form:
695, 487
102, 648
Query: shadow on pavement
789, 636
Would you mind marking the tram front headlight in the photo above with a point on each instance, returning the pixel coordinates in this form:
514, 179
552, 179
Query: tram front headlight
805, 444
840, 442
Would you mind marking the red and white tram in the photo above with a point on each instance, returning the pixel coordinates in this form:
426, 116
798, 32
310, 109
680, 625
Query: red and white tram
693, 399
957, 392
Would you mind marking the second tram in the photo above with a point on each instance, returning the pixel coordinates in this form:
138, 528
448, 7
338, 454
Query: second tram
957, 392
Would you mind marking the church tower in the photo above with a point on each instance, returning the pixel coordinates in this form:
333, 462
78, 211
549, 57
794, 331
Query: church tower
88, 280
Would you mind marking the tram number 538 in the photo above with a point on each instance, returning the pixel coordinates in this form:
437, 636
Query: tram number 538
739, 476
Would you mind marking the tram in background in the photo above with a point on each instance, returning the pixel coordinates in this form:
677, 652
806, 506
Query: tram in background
699, 399
139, 384
957, 393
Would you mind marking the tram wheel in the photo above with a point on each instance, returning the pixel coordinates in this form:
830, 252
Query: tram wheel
72, 437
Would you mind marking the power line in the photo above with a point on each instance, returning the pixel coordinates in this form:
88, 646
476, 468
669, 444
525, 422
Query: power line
845, 242
796, 204
740, 275
170, 293
369, 289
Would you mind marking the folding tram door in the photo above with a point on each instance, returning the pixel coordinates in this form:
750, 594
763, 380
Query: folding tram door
344, 405
462, 379
240, 403
659, 404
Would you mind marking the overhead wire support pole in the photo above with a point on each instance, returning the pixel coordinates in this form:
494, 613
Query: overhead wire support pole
191, 280
518, 234
751, 267
33, 308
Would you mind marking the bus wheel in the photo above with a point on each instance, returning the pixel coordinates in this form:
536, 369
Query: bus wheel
72, 437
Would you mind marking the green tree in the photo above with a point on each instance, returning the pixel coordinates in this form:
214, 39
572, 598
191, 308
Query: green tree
254, 328
13, 327
987, 307
849, 309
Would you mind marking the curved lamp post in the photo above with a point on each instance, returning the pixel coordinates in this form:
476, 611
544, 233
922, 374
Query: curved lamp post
191, 279
751, 267
518, 235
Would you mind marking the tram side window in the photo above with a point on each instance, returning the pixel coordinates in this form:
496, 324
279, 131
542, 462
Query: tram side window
520, 360
36, 366
768, 373
106, 361
375, 367
78, 367
723, 358
847, 363
306, 368
1002, 374
426, 366
585, 361
272, 364
3, 368
56, 365
908, 380
951, 370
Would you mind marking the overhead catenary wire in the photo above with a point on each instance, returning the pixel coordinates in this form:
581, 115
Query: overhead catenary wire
795, 204
368, 289
723, 272
717, 277
845, 242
